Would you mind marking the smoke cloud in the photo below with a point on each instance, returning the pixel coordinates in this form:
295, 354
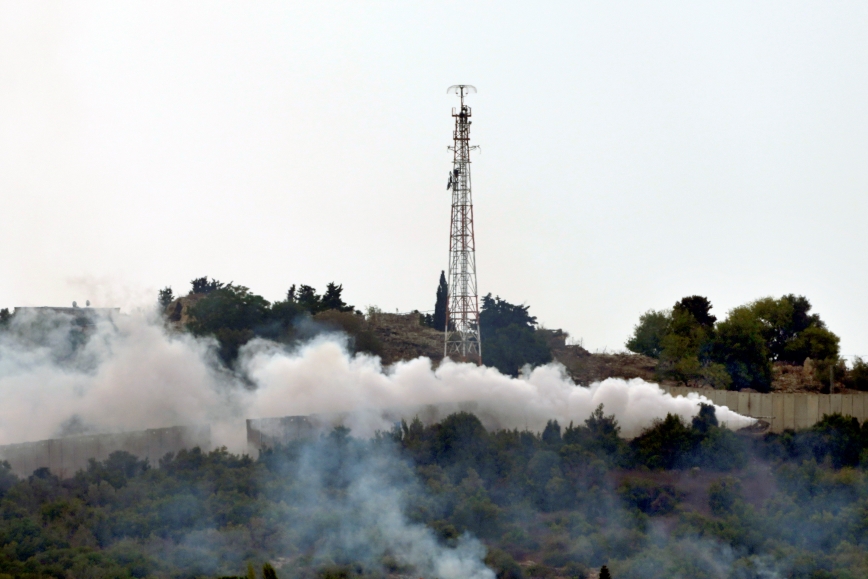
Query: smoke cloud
129, 373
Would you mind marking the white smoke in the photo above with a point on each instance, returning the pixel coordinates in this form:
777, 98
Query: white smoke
133, 374
321, 378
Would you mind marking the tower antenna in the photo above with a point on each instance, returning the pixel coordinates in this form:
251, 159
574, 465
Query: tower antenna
462, 337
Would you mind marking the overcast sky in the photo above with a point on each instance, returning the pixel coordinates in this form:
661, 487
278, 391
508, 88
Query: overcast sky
631, 153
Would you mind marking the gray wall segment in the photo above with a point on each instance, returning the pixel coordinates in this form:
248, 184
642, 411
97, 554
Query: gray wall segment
825, 406
813, 409
743, 403
784, 410
835, 401
732, 401
859, 406
66, 456
847, 404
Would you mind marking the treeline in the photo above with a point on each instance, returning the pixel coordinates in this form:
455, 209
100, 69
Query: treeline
738, 352
234, 315
570, 499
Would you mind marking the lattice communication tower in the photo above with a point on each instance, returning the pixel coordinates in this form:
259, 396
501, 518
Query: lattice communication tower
462, 316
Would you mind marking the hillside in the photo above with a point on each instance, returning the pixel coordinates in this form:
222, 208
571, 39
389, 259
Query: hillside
403, 337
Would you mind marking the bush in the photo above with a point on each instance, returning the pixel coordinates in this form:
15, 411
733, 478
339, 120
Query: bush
649, 497
741, 347
648, 334
723, 495
857, 376
503, 565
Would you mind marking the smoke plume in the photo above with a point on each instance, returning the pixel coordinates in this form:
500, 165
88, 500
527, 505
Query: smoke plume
129, 373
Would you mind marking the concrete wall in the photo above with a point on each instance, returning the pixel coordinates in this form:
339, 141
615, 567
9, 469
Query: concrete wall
66, 456
269, 432
784, 410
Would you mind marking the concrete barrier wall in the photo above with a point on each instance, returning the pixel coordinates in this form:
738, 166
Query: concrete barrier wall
269, 432
66, 456
783, 410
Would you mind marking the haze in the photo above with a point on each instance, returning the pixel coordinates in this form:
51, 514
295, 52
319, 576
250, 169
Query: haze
632, 153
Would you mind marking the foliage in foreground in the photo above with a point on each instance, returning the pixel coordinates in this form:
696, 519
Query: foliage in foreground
568, 498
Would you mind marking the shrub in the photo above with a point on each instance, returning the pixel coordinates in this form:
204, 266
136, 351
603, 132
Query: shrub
648, 334
649, 497
723, 495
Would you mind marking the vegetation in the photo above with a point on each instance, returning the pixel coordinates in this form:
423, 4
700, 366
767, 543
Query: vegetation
165, 297
569, 499
737, 352
509, 337
438, 319
233, 315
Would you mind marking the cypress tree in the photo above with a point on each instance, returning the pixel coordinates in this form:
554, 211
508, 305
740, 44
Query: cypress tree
604, 573
439, 321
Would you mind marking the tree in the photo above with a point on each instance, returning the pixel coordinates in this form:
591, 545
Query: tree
165, 297
331, 300
741, 347
706, 418
268, 572
840, 438
699, 307
552, 433
308, 299
648, 334
509, 339
498, 314
791, 333
231, 314
724, 495
438, 322
665, 445
604, 573
686, 348
202, 285
857, 376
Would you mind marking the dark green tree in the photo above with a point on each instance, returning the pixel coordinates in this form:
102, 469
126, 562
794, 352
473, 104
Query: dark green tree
552, 433
741, 347
838, 437
706, 418
308, 299
604, 573
331, 299
165, 297
438, 321
268, 572
857, 375
509, 338
724, 495
648, 334
791, 332
231, 314
666, 445
202, 285
699, 307
686, 348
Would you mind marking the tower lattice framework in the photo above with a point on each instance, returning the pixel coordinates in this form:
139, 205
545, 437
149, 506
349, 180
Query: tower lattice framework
462, 316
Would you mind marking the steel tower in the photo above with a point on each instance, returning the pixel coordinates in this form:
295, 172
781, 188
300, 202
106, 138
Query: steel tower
462, 315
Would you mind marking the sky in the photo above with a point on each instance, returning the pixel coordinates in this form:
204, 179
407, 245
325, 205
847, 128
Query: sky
632, 153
